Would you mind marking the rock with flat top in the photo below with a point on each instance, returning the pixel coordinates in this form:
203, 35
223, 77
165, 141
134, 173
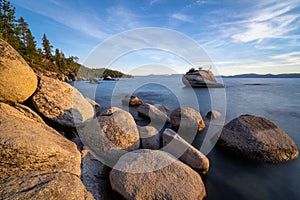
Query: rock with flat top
61, 103
154, 174
36, 161
257, 138
17, 80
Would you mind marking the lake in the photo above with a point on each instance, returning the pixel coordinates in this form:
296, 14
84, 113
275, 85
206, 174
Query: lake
229, 177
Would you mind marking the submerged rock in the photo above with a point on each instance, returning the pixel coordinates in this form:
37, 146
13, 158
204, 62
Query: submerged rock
150, 137
258, 139
17, 80
154, 174
61, 103
36, 161
188, 154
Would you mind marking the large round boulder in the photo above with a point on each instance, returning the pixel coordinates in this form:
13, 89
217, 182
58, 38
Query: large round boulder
258, 139
110, 135
17, 80
186, 118
61, 103
36, 161
154, 174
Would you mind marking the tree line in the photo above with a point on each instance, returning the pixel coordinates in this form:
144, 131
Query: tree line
17, 33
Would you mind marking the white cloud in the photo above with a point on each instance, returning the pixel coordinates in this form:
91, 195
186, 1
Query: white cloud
182, 17
287, 57
271, 21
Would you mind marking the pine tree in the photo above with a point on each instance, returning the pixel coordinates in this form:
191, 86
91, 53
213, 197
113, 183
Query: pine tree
47, 47
7, 24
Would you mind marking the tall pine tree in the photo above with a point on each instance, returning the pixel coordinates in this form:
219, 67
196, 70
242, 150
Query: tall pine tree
47, 47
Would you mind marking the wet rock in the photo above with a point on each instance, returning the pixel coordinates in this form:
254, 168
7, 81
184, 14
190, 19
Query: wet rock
36, 161
258, 139
150, 137
154, 174
178, 147
61, 103
17, 80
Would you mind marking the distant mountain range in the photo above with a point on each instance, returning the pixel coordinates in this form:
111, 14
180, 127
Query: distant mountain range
296, 75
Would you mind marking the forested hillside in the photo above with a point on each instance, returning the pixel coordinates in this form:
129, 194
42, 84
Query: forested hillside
17, 33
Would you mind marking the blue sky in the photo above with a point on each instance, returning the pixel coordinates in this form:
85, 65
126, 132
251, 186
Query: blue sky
246, 36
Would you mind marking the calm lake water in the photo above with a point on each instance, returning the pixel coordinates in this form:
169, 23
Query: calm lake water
229, 177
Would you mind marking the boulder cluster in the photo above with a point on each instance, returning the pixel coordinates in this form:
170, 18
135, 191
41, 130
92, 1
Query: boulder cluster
57, 144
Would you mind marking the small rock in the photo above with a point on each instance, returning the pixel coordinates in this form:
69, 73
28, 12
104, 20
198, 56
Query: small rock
186, 118
258, 139
130, 100
154, 174
17, 80
150, 137
108, 78
110, 135
178, 147
61, 103
213, 114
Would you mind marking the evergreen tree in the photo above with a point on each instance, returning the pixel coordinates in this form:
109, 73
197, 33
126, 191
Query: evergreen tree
7, 24
47, 47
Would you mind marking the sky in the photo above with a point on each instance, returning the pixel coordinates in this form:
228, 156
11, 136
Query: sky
233, 37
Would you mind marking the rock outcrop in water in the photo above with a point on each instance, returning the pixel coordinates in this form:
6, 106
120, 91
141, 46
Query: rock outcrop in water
130, 100
140, 175
200, 78
258, 139
17, 80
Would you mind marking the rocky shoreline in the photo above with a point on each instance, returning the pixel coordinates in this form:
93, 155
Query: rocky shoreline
57, 144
